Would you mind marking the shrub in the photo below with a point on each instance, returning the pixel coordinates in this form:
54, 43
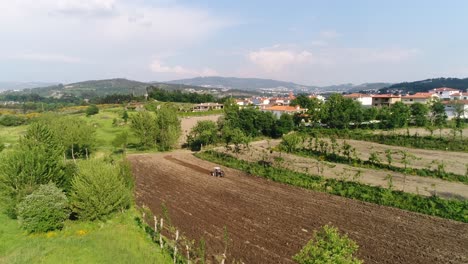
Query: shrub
44, 210
328, 246
12, 120
98, 190
92, 110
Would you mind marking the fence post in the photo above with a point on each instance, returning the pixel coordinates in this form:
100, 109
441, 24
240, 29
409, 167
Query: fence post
160, 233
155, 227
175, 245
188, 253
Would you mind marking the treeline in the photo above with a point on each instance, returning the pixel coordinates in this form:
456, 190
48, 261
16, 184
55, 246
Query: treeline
179, 96
239, 127
426, 85
340, 112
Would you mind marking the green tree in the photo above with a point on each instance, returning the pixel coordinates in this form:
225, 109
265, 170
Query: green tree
438, 116
399, 115
168, 128
37, 160
283, 125
328, 246
205, 132
98, 190
44, 210
143, 125
121, 140
92, 110
291, 142
125, 116
420, 113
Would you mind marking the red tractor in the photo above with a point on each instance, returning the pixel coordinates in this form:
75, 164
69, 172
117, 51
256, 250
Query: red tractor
217, 172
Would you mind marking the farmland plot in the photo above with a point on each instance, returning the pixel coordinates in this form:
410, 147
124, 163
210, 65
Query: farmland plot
269, 222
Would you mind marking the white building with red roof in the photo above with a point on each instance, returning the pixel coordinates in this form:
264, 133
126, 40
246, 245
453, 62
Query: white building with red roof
444, 92
278, 110
459, 96
364, 99
423, 98
451, 108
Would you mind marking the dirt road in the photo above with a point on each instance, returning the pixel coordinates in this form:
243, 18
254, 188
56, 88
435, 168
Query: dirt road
269, 222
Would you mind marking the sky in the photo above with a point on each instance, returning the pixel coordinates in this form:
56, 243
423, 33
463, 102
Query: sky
308, 42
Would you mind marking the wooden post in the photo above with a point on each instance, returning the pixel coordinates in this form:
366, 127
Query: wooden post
187, 249
175, 245
160, 233
155, 227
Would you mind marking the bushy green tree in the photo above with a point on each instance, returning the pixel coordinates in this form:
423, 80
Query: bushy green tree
328, 247
283, 125
399, 115
291, 142
121, 140
205, 132
98, 190
168, 127
420, 114
125, 116
143, 125
44, 210
37, 160
74, 134
438, 115
92, 110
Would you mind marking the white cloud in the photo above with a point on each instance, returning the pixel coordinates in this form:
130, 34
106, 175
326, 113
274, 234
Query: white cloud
158, 66
275, 59
109, 31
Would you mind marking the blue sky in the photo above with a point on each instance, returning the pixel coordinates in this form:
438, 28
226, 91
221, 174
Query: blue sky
308, 42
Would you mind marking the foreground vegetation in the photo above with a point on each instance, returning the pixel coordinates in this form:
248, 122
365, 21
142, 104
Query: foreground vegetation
450, 209
117, 240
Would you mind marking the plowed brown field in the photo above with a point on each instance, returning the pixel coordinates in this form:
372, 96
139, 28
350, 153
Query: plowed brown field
269, 222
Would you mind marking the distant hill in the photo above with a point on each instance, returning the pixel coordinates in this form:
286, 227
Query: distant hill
255, 84
23, 85
93, 88
248, 84
426, 85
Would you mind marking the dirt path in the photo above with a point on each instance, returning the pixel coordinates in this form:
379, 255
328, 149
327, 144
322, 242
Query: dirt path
414, 184
269, 222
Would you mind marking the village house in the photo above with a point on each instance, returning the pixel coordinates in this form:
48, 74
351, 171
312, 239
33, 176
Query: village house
278, 110
364, 99
207, 107
423, 98
319, 97
451, 108
444, 93
459, 96
385, 99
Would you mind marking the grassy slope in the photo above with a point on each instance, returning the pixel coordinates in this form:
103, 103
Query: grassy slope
118, 240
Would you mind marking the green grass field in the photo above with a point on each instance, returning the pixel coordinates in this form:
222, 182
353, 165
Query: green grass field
119, 240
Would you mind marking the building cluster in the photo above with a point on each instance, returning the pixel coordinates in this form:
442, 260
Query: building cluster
281, 105
448, 96
276, 105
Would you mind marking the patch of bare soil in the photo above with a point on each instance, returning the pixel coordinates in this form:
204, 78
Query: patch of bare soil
410, 183
269, 222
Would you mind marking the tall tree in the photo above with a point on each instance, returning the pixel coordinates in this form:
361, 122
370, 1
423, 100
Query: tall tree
420, 113
168, 127
143, 125
438, 116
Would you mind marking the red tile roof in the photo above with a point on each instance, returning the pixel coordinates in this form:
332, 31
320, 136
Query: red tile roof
284, 108
443, 89
385, 96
